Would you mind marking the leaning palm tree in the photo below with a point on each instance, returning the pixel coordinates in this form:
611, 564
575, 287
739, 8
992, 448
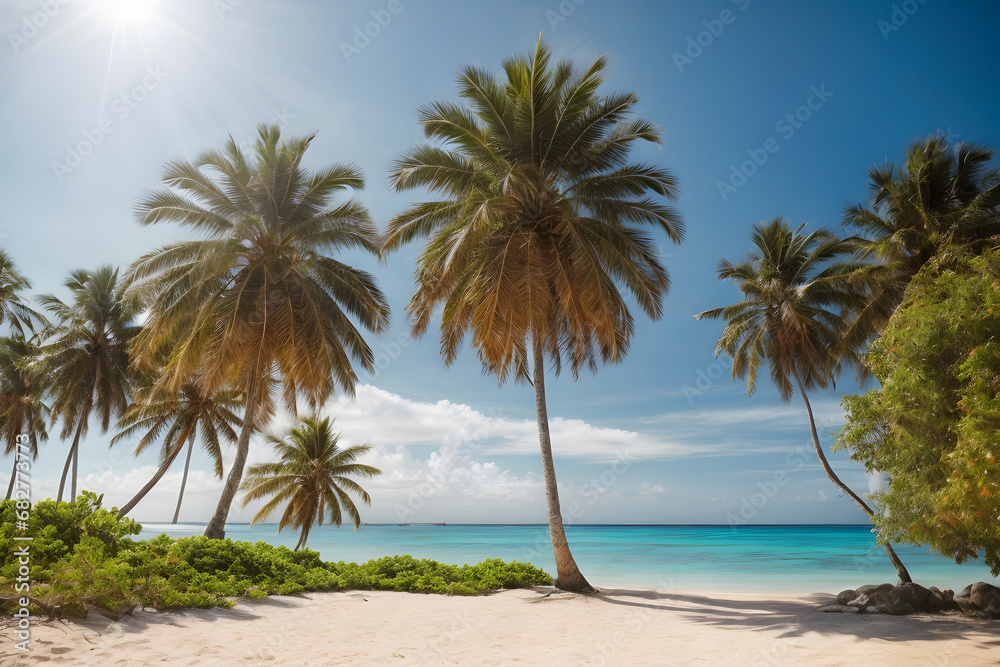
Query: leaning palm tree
257, 301
540, 225
795, 295
22, 410
86, 357
180, 415
311, 479
945, 196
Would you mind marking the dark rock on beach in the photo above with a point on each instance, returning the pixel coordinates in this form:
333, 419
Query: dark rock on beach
979, 599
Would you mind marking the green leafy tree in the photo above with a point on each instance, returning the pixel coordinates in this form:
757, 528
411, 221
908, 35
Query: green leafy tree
86, 357
180, 415
257, 302
540, 224
312, 479
792, 316
933, 424
946, 195
22, 410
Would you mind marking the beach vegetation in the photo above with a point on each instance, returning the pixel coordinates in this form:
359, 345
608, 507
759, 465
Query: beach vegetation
83, 557
23, 412
932, 424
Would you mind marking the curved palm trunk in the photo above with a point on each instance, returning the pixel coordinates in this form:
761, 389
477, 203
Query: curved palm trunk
302, 538
153, 481
216, 529
71, 458
13, 474
184, 479
568, 575
904, 575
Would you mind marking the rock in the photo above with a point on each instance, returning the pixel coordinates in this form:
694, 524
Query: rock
939, 601
907, 598
839, 609
860, 601
986, 597
846, 596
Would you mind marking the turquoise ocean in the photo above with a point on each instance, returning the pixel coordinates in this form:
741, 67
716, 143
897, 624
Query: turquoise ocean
798, 559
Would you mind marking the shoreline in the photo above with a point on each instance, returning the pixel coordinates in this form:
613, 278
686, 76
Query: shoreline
524, 626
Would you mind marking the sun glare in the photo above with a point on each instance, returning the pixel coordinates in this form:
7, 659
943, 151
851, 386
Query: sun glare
130, 12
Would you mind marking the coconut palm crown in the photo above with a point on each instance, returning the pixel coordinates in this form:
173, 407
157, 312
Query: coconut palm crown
540, 224
312, 478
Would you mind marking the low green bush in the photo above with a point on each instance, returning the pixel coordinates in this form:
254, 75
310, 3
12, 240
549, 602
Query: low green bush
82, 558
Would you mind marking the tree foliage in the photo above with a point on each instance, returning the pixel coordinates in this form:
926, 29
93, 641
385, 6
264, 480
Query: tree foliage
933, 425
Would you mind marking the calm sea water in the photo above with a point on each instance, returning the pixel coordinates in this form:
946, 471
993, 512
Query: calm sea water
783, 559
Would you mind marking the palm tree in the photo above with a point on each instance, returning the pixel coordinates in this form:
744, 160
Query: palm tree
792, 315
87, 360
257, 302
945, 196
12, 308
181, 415
22, 412
313, 478
540, 223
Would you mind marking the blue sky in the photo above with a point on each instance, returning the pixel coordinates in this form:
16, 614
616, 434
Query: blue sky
802, 97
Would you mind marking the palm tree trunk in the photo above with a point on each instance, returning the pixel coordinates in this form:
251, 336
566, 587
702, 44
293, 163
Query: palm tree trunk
13, 474
154, 480
184, 479
70, 457
568, 575
904, 575
302, 538
216, 529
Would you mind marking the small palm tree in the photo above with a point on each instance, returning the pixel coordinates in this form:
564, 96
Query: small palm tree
181, 415
86, 357
258, 301
945, 196
541, 223
22, 411
793, 316
312, 478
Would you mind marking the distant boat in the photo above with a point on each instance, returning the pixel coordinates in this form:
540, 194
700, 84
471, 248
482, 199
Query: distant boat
402, 524
440, 524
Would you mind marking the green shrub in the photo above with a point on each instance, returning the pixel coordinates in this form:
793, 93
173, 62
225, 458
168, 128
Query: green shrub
82, 557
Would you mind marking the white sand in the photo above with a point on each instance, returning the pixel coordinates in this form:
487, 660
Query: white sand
514, 627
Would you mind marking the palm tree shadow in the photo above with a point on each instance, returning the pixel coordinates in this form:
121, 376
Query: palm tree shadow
795, 618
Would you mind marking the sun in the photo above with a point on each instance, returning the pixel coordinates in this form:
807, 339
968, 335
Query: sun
126, 12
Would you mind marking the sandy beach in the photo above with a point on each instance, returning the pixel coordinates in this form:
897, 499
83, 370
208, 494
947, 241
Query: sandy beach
526, 627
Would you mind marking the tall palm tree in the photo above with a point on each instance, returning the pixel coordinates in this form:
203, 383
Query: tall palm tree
86, 357
312, 477
792, 315
257, 301
540, 224
22, 411
13, 309
180, 415
946, 195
